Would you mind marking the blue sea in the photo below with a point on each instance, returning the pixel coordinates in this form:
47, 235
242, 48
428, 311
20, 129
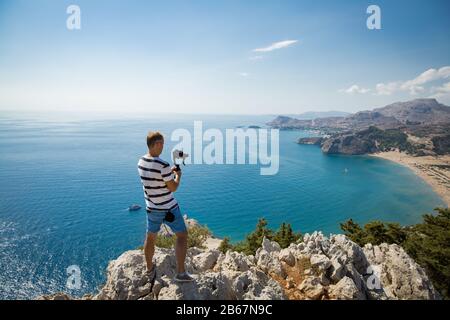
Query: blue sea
66, 182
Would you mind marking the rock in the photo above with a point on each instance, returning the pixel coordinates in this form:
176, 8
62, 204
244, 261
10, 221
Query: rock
348, 144
289, 283
206, 260
270, 246
324, 280
257, 285
190, 223
346, 251
234, 261
399, 276
56, 296
358, 280
210, 286
286, 256
317, 268
316, 243
345, 289
217, 277
338, 271
306, 237
320, 262
126, 278
316, 141
269, 264
268, 258
312, 288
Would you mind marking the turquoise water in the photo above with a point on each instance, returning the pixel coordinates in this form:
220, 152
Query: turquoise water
65, 186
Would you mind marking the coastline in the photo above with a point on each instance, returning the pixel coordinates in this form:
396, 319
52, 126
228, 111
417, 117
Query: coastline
434, 170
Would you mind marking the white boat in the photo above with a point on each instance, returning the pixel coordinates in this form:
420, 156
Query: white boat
134, 207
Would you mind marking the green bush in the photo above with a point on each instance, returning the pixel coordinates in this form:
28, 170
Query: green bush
428, 243
441, 144
375, 232
225, 245
197, 236
284, 236
165, 241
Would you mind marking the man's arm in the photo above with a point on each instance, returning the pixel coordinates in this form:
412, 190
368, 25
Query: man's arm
173, 185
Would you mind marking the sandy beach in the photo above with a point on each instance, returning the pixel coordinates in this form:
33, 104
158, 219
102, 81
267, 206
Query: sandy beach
433, 170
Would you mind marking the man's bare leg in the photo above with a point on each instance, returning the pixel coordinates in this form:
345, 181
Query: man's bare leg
149, 249
180, 250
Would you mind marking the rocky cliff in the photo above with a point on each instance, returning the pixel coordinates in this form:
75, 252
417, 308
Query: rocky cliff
348, 144
317, 268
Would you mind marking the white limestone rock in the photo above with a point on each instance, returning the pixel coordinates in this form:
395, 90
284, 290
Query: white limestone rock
400, 276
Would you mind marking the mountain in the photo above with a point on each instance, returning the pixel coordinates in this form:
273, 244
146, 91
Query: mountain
419, 127
419, 112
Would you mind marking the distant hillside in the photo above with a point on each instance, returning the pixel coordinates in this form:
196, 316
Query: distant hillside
420, 127
367, 141
411, 113
419, 111
310, 115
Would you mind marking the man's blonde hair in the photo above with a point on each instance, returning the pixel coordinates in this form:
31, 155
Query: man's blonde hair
153, 137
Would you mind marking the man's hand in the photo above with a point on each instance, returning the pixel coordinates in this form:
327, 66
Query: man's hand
176, 171
173, 184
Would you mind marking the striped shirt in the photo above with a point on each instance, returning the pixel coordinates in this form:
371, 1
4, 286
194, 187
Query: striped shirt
154, 172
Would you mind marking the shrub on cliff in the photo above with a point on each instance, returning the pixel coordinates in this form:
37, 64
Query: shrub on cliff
284, 236
225, 245
428, 243
441, 144
387, 139
196, 238
375, 232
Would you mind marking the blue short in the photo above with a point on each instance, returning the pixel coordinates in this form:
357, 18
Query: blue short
156, 217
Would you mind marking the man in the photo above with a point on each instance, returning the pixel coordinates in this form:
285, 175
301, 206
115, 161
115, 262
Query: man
159, 182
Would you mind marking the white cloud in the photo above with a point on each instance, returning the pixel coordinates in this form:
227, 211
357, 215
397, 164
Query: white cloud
355, 89
244, 74
276, 46
430, 75
416, 85
441, 91
386, 89
256, 58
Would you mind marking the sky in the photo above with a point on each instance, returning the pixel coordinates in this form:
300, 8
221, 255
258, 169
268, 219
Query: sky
221, 56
